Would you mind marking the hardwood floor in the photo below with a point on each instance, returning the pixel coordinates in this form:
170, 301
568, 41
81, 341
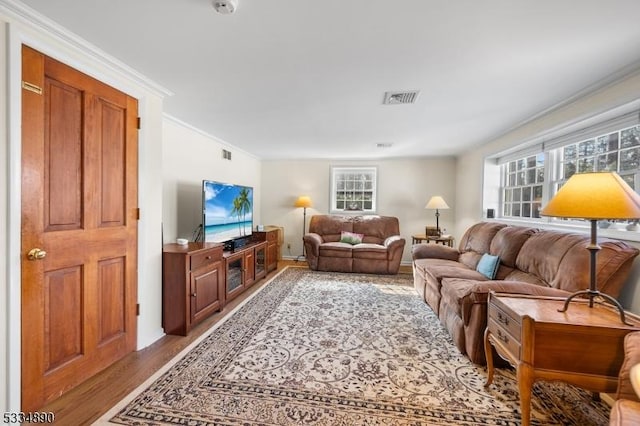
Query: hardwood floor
88, 402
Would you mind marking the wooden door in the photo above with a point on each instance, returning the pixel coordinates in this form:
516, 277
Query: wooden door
79, 208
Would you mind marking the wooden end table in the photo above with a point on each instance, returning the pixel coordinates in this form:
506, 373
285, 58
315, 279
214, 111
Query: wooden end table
582, 346
417, 239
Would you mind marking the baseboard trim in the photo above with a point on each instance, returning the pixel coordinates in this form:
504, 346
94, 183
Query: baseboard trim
608, 399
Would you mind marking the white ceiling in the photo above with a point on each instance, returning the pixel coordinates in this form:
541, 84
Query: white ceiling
306, 79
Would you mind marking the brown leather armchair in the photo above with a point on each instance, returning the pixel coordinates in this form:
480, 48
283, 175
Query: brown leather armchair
626, 410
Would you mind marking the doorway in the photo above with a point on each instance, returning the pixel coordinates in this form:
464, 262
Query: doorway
79, 216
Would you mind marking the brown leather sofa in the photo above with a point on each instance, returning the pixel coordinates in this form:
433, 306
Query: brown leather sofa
626, 409
532, 261
379, 253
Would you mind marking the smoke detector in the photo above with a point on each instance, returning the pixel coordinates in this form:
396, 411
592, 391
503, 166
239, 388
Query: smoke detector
225, 7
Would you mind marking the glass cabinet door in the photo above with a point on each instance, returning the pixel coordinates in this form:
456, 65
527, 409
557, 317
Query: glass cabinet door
234, 274
261, 261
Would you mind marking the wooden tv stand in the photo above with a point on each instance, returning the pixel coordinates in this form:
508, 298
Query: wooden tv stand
198, 279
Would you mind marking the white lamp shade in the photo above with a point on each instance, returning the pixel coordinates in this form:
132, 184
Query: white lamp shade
436, 202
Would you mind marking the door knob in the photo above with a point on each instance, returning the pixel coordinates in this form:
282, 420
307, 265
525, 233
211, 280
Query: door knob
36, 254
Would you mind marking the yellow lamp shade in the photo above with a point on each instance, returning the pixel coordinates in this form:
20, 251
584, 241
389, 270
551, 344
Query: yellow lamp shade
598, 195
303, 201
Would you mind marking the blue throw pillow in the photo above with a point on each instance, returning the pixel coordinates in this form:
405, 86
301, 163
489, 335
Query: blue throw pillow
488, 265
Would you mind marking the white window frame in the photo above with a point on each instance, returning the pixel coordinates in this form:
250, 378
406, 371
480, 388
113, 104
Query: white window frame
552, 145
587, 160
522, 186
356, 184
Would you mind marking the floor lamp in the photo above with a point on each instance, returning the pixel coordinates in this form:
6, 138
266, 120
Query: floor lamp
437, 202
594, 196
303, 201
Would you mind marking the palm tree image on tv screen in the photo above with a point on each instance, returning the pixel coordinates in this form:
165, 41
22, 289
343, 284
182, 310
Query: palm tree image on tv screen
227, 211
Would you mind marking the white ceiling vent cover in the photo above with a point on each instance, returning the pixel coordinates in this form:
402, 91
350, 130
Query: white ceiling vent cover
398, 98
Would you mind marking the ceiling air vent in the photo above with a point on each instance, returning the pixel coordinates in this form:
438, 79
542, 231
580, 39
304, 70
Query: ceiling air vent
397, 98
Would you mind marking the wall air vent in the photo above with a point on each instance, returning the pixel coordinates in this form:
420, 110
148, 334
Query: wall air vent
398, 98
226, 154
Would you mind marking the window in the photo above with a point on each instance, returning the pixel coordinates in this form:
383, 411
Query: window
353, 189
528, 180
615, 152
522, 187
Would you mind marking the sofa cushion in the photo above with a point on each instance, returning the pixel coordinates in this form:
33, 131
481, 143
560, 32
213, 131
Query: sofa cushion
336, 249
488, 265
461, 294
476, 241
507, 243
376, 228
542, 253
370, 251
470, 259
426, 264
330, 227
437, 272
525, 277
613, 260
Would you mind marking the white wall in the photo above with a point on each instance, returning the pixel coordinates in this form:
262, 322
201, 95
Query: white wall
149, 228
469, 198
404, 187
189, 157
54, 41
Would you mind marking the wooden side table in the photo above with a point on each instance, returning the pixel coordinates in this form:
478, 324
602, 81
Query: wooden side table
582, 346
417, 239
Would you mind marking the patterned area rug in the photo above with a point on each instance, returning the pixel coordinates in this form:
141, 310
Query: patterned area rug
339, 349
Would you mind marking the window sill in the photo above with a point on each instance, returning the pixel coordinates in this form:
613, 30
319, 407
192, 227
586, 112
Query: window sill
615, 231
353, 212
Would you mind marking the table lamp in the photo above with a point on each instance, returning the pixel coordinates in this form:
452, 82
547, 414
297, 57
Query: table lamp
438, 203
303, 201
594, 196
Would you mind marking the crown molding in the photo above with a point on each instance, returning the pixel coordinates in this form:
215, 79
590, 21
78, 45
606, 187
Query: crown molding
23, 14
201, 132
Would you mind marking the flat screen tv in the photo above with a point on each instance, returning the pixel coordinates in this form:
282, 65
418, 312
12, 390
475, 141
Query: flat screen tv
227, 211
